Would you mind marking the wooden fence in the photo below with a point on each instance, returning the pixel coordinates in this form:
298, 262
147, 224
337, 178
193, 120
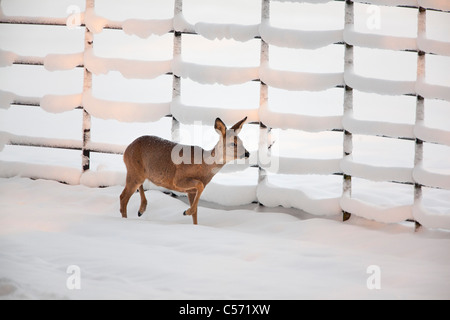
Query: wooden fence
267, 119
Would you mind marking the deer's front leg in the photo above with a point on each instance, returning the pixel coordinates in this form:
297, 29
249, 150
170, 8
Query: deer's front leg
191, 197
194, 189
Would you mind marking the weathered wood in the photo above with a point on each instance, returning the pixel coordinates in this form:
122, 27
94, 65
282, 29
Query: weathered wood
348, 106
87, 87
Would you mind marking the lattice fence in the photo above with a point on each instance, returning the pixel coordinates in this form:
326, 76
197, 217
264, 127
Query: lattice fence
265, 117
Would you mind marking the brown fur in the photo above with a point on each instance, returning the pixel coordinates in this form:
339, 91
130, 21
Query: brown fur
150, 157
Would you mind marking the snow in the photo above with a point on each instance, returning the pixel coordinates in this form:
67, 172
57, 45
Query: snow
391, 2
32, 140
305, 1
375, 173
146, 28
290, 80
51, 172
4, 139
432, 91
252, 246
240, 254
370, 40
101, 178
380, 86
124, 111
299, 39
433, 46
207, 115
130, 69
59, 103
236, 32
272, 195
434, 135
236, 195
433, 179
435, 4
376, 213
398, 130
430, 219
297, 121
7, 58
181, 24
6, 99
49, 8
206, 74
288, 165
93, 22
61, 62
107, 148
319, 193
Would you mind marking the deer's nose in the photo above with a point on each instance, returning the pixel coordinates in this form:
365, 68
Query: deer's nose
247, 154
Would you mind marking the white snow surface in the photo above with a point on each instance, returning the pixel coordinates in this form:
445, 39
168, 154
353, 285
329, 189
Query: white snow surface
378, 41
435, 4
380, 86
304, 1
146, 28
206, 74
130, 69
239, 254
6, 98
237, 32
94, 22
61, 103
434, 46
297, 121
299, 39
402, 130
391, 2
291, 80
432, 91
7, 58
207, 115
59, 62
124, 111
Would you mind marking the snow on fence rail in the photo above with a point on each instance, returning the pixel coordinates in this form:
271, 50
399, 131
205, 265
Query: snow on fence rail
264, 192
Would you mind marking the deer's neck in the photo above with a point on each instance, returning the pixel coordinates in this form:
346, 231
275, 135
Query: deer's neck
214, 160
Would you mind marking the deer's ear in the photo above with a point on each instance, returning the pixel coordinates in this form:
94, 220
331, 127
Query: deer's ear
238, 126
220, 127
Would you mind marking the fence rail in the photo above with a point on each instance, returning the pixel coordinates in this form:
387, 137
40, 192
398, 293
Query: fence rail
269, 36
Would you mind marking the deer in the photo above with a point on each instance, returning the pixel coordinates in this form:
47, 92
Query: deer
180, 168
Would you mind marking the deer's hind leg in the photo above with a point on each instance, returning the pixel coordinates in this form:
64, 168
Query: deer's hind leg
143, 201
130, 188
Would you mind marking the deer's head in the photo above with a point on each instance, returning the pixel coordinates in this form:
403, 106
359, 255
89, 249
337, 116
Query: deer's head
230, 147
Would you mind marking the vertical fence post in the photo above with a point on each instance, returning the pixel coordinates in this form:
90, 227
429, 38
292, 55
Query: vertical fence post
348, 103
420, 105
87, 86
264, 95
176, 87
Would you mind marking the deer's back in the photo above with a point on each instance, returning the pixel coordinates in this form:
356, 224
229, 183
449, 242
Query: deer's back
149, 157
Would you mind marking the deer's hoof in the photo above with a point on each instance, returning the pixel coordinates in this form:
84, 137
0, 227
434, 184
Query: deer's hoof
188, 212
140, 214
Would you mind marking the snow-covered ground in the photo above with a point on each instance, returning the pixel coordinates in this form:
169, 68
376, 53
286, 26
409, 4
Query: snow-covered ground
46, 228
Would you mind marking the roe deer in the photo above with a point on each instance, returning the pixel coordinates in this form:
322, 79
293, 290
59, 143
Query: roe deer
158, 160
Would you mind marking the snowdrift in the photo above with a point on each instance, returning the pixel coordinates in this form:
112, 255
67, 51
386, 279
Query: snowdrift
240, 254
